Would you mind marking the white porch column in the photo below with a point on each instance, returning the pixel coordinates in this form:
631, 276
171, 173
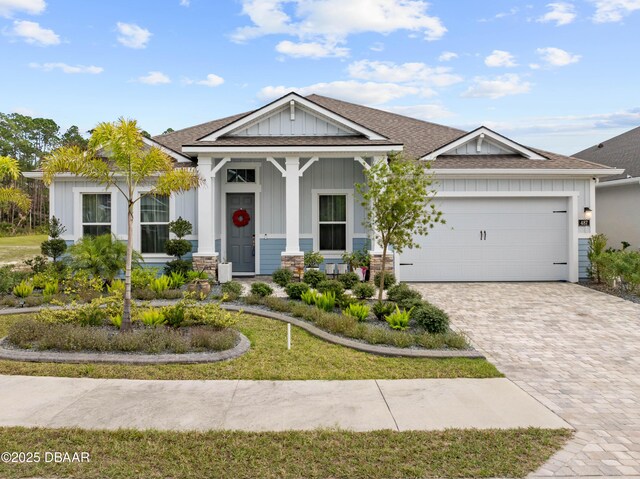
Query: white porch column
292, 169
206, 206
375, 247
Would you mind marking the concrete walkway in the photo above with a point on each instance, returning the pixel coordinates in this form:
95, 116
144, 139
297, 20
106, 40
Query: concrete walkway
420, 404
574, 349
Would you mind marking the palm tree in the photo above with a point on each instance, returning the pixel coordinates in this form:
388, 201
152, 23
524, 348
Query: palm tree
118, 157
10, 194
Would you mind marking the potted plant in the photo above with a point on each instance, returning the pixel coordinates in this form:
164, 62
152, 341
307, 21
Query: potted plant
224, 272
199, 283
313, 259
361, 260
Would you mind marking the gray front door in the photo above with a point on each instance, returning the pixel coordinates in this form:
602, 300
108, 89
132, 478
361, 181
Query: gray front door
241, 239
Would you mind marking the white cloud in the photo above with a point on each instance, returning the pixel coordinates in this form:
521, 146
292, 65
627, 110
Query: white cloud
47, 67
311, 49
447, 56
32, 32
562, 13
422, 112
334, 20
513, 11
557, 57
415, 73
154, 78
132, 35
368, 93
185, 3
500, 58
613, 10
31, 7
497, 87
534, 66
212, 80
377, 47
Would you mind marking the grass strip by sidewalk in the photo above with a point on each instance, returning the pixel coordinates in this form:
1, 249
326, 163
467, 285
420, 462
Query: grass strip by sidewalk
268, 358
292, 454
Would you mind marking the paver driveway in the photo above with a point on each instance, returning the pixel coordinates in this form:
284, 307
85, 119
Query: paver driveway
574, 349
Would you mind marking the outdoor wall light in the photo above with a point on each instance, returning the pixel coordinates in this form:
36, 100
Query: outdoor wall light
587, 212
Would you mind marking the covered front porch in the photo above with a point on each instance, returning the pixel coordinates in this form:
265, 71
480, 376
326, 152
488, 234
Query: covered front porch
261, 212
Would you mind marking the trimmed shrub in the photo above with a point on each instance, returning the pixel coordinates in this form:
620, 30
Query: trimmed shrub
174, 315
389, 280
382, 309
210, 314
23, 289
232, 289
331, 285
181, 266
431, 318
143, 294
410, 303
282, 277
261, 289
349, 280
364, 290
295, 290
314, 276
53, 248
313, 259
177, 247
400, 292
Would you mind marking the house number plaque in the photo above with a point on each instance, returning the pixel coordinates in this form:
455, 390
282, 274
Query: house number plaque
584, 222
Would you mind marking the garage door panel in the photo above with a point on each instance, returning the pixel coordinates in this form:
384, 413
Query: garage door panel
524, 238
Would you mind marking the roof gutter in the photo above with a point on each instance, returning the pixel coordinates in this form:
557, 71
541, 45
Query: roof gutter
223, 150
493, 172
621, 182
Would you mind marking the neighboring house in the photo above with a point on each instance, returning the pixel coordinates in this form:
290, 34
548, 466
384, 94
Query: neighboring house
280, 180
618, 197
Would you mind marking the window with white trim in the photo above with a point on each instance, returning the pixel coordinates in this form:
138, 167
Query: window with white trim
154, 223
241, 175
332, 222
96, 214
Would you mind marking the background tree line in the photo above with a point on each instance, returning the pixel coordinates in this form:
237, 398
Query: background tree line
27, 140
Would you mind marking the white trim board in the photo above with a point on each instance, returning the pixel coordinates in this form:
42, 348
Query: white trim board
517, 173
244, 151
482, 132
621, 182
77, 192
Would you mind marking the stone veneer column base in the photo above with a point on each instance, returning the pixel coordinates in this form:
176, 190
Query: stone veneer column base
292, 262
208, 264
375, 264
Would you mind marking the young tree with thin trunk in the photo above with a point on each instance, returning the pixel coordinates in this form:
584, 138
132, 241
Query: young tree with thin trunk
118, 157
398, 199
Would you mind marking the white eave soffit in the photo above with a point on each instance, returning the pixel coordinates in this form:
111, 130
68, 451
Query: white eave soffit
479, 135
302, 102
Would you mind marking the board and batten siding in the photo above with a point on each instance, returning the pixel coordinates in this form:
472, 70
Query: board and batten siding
303, 124
583, 260
486, 148
66, 207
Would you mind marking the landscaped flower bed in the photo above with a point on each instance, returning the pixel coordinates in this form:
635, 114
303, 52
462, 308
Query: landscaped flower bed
184, 327
405, 320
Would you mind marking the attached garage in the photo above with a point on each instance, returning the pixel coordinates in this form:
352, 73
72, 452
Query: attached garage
495, 239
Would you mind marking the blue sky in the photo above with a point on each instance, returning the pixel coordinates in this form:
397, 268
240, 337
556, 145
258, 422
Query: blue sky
560, 75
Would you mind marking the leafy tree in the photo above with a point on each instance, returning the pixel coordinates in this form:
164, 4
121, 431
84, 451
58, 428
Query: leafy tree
9, 193
131, 164
55, 246
397, 197
27, 139
73, 137
168, 130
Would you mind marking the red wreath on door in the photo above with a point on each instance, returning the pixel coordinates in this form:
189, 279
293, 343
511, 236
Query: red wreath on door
241, 218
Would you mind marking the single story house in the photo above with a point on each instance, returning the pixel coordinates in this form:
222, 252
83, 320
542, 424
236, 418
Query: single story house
279, 181
618, 196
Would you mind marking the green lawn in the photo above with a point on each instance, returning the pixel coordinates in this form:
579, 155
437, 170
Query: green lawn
16, 249
310, 454
309, 358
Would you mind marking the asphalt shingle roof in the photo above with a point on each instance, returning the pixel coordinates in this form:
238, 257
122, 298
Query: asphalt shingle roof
418, 138
622, 151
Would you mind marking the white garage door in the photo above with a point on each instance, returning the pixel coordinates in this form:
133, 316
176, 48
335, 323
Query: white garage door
493, 239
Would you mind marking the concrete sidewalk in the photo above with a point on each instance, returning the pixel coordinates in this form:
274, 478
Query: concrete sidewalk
412, 404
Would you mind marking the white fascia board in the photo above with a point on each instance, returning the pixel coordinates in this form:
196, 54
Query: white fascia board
531, 155
491, 172
275, 150
176, 156
32, 174
370, 134
622, 182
